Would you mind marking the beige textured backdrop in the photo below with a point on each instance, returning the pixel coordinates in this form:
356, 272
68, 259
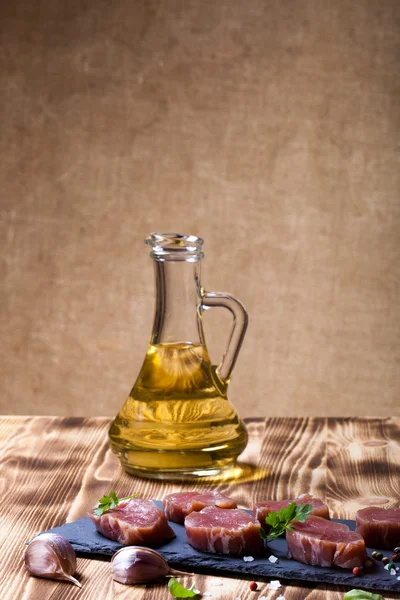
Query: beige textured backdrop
268, 127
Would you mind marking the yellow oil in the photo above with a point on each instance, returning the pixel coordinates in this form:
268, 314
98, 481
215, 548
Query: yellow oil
177, 420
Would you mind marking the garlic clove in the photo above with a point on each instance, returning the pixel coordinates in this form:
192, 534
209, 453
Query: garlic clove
51, 556
136, 564
133, 565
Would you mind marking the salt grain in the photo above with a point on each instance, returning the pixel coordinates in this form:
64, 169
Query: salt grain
272, 559
248, 558
274, 585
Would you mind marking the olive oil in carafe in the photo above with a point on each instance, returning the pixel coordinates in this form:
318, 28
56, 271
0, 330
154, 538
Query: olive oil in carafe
177, 415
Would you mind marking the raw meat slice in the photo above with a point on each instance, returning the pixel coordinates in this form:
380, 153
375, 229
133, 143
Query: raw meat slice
380, 527
325, 543
224, 531
262, 509
178, 506
134, 522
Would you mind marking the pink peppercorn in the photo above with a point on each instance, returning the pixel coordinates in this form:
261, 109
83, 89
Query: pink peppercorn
253, 586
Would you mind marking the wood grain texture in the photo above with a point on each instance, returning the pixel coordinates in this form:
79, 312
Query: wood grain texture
369, 450
55, 469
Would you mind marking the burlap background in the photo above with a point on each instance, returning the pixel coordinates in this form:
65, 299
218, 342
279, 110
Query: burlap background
268, 127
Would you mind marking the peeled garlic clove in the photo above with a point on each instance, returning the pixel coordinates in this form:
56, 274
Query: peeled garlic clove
51, 556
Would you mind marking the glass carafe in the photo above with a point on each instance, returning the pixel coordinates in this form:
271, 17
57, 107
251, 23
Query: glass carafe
177, 422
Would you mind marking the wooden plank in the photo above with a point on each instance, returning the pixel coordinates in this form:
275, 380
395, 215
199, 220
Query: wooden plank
55, 469
293, 450
367, 451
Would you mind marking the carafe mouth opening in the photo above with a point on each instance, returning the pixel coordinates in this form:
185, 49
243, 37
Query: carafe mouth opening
175, 246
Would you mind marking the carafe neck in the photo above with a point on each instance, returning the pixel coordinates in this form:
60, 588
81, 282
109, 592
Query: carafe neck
177, 301
177, 288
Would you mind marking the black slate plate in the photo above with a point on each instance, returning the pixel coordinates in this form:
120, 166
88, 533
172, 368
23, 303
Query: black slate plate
179, 554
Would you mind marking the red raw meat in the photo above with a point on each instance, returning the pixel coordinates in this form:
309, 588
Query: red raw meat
134, 522
325, 543
224, 531
262, 509
178, 506
380, 527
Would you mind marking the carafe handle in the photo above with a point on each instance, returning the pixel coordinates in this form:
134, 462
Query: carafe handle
240, 322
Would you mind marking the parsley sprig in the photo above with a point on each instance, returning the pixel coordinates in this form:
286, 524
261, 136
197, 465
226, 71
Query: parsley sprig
179, 591
281, 521
361, 595
108, 502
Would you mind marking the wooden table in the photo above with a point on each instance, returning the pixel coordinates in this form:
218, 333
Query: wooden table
54, 469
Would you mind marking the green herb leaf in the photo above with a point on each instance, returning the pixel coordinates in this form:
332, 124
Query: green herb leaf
302, 512
114, 498
108, 502
179, 591
280, 521
263, 535
362, 595
272, 519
